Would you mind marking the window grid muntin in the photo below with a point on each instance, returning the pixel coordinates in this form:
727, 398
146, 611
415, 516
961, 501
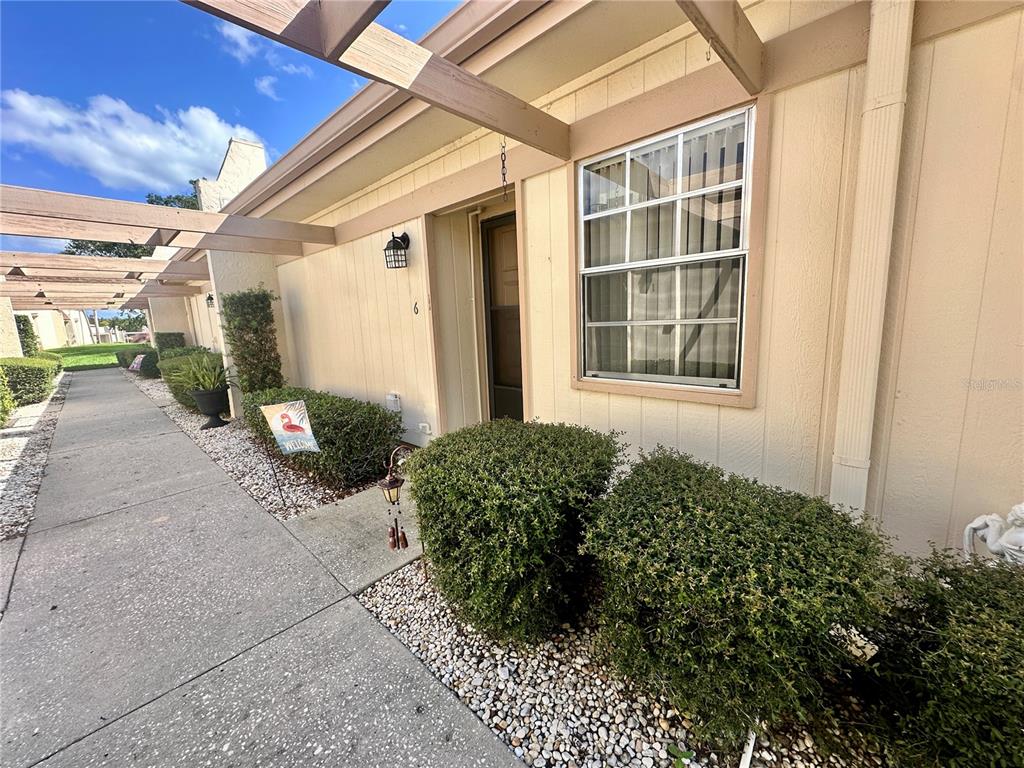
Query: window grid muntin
714, 384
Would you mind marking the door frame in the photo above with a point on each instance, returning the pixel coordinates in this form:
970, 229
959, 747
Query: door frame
499, 220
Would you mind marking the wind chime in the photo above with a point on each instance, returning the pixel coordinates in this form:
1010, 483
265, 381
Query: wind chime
504, 171
392, 488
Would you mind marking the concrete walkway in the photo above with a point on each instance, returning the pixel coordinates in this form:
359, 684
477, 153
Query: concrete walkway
158, 616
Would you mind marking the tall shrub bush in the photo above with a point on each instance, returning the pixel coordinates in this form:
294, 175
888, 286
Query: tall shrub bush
948, 680
501, 509
736, 600
168, 340
355, 437
27, 335
30, 378
6, 398
249, 331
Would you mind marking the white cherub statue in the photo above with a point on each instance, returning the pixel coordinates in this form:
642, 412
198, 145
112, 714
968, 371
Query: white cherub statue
1004, 538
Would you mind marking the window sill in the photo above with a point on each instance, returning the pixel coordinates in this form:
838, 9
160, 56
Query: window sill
736, 398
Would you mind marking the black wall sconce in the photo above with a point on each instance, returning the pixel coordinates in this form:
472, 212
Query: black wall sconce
396, 252
209, 300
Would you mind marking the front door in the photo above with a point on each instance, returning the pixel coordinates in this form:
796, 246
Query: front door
501, 297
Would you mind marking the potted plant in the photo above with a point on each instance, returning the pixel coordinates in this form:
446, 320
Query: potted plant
204, 377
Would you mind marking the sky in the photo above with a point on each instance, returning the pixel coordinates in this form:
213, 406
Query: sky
118, 99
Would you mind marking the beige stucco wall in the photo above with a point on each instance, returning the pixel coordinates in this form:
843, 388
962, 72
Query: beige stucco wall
10, 345
168, 315
947, 445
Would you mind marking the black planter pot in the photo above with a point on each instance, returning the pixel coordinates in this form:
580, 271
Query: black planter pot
212, 403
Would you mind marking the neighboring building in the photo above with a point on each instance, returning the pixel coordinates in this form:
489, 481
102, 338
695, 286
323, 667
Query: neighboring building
60, 328
690, 277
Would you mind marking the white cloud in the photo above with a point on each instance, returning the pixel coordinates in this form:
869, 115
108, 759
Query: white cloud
120, 147
239, 42
296, 69
267, 86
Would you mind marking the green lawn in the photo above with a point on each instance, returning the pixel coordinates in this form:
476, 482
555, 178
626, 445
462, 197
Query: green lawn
94, 355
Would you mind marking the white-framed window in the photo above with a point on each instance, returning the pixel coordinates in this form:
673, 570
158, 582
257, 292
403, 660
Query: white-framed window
663, 239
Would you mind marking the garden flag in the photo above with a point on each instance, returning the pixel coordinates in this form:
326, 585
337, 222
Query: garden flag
137, 363
290, 425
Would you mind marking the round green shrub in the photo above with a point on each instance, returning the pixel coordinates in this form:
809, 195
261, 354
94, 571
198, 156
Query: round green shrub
149, 369
27, 335
734, 599
501, 508
248, 318
6, 398
168, 365
125, 357
57, 360
168, 340
30, 378
948, 680
355, 437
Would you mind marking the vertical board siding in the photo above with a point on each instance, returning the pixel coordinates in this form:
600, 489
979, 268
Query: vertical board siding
779, 441
951, 417
947, 444
352, 325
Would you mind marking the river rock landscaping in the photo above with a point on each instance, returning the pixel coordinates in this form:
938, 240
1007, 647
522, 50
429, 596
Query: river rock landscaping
555, 704
244, 459
24, 448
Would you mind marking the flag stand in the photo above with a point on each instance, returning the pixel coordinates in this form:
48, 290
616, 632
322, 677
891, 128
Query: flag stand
277, 480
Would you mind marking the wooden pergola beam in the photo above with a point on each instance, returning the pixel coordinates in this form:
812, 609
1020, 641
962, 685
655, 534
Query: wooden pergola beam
167, 221
342, 22
728, 30
382, 55
62, 262
45, 226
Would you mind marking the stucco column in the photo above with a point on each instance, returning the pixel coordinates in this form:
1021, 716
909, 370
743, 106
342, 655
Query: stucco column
885, 95
10, 344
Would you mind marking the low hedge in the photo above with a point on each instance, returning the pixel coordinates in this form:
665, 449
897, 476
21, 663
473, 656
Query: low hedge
948, 680
168, 340
355, 437
53, 357
173, 352
174, 363
501, 509
149, 368
30, 378
6, 398
732, 598
125, 357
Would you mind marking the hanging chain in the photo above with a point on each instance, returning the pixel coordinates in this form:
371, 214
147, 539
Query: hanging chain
504, 171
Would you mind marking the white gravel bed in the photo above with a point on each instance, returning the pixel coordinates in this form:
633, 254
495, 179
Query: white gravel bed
555, 704
247, 462
24, 448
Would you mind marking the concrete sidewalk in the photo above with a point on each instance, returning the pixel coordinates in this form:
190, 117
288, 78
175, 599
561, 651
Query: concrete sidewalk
158, 616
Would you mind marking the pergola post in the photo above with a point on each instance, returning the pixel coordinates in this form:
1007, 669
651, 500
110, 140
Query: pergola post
881, 135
